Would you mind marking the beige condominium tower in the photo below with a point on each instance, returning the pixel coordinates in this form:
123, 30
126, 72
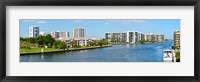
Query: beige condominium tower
78, 33
177, 38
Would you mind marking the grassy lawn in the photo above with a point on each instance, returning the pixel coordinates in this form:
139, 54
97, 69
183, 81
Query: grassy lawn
32, 50
37, 50
84, 47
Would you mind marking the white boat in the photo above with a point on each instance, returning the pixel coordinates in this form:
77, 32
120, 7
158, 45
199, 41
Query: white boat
169, 56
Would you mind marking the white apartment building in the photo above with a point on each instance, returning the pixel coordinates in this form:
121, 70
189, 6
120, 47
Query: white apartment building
33, 31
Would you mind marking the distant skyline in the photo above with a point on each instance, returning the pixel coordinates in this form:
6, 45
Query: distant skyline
97, 28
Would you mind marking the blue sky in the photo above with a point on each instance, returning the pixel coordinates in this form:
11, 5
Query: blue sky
97, 28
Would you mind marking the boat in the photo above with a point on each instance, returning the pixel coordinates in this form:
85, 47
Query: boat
169, 56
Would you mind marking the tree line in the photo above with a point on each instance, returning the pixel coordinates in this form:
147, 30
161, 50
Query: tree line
42, 41
49, 42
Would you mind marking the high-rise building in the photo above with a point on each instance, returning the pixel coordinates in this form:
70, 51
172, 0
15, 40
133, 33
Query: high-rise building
116, 36
133, 37
160, 38
67, 34
145, 36
142, 36
137, 36
177, 38
130, 37
33, 31
63, 34
149, 37
154, 37
78, 33
43, 34
55, 34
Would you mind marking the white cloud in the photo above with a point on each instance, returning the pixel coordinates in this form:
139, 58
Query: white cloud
107, 23
78, 20
41, 22
128, 21
27, 20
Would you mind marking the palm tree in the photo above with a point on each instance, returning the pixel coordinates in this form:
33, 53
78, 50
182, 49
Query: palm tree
73, 43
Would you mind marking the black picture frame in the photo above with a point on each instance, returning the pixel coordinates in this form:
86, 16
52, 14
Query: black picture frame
4, 3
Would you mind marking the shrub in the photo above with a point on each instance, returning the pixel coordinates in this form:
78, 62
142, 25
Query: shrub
177, 56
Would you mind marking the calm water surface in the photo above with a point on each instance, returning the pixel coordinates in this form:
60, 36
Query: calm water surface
116, 53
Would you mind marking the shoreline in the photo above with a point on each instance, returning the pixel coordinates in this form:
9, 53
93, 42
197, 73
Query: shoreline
87, 48
75, 49
138, 43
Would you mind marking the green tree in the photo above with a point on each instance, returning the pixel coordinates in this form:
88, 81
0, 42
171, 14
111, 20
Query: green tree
113, 41
31, 40
92, 43
41, 40
176, 47
22, 39
55, 44
24, 44
104, 42
49, 40
100, 43
62, 45
73, 43
123, 41
142, 41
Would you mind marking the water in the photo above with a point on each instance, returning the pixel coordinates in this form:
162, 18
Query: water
116, 53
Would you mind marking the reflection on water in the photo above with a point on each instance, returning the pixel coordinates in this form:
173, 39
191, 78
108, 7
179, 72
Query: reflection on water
117, 53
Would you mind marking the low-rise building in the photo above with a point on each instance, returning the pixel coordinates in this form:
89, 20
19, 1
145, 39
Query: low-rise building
78, 41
